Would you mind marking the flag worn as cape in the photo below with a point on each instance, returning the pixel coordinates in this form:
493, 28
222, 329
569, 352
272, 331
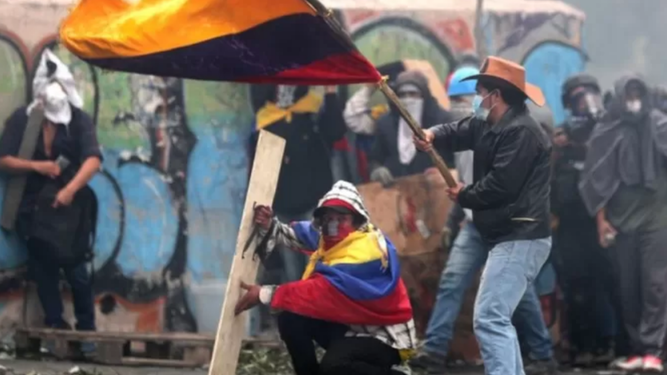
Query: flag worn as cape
253, 41
355, 282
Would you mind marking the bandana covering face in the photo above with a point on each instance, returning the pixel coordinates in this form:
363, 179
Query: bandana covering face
415, 106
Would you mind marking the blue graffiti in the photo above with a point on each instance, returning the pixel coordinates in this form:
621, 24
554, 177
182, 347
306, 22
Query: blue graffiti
548, 66
216, 187
151, 220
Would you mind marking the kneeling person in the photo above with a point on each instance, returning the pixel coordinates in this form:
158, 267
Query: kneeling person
351, 299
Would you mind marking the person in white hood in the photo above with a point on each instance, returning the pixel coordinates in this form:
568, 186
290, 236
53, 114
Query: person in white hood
67, 155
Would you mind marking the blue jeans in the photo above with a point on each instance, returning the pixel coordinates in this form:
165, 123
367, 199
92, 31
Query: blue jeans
510, 271
467, 257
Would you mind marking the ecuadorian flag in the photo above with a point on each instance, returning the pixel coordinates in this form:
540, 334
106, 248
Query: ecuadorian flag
254, 41
356, 282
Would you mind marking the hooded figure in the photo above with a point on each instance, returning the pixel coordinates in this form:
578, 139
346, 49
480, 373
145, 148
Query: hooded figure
626, 149
66, 155
584, 272
624, 183
394, 154
351, 298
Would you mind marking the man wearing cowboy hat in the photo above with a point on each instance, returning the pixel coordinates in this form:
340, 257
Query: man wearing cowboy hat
509, 199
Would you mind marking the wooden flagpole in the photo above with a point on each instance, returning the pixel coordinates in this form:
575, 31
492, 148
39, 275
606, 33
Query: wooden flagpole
419, 132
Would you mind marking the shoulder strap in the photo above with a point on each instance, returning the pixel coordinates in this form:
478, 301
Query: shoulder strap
16, 183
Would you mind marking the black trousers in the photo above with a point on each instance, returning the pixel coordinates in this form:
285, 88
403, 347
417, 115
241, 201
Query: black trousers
585, 276
45, 271
641, 274
344, 355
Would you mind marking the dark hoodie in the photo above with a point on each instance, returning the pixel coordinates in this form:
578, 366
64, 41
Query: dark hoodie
385, 147
305, 174
625, 164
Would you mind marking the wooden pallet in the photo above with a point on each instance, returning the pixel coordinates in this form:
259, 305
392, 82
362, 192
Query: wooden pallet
125, 348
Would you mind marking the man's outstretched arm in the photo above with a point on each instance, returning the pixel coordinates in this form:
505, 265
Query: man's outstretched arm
298, 236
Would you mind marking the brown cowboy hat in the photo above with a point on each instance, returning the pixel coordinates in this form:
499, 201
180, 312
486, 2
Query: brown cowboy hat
512, 73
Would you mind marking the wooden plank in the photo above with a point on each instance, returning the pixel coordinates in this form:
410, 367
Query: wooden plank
198, 355
135, 361
261, 190
110, 353
412, 213
22, 336
189, 338
16, 184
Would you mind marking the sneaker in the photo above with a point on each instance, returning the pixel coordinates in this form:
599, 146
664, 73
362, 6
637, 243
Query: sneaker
432, 363
629, 364
548, 367
652, 364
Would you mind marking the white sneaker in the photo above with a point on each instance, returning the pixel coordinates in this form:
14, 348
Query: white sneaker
653, 364
631, 364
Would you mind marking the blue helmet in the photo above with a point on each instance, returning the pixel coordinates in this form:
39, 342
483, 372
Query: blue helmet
458, 88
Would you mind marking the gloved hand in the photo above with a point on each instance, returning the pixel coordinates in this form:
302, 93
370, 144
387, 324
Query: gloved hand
383, 176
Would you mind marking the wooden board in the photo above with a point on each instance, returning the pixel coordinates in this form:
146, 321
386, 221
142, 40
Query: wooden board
172, 349
400, 211
412, 213
261, 190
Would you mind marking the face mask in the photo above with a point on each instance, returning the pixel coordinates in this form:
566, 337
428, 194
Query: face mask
634, 106
414, 106
334, 231
406, 146
478, 111
593, 105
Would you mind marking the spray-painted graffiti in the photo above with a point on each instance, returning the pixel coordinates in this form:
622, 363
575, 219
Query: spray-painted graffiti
174, 171
166, 170
549, 64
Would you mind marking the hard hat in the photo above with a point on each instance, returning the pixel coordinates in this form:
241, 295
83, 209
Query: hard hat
458, 88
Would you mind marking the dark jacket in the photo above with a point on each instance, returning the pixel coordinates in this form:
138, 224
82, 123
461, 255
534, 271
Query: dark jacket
510, 195
77, 142
566, 203
65, 235
625, 169
305, 175
384, 151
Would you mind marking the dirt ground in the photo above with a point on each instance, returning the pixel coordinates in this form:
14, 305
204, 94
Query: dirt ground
265, 361
260, 367
251, 362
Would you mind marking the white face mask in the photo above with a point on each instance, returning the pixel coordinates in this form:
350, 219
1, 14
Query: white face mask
406, 146
415, 106
634, 106
478, 110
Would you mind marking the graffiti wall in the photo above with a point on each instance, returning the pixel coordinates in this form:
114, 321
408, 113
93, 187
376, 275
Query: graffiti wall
174, 171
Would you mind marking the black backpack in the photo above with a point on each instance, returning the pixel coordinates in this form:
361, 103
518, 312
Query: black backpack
67, 232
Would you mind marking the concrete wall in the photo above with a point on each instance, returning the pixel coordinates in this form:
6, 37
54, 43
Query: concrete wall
175, 168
